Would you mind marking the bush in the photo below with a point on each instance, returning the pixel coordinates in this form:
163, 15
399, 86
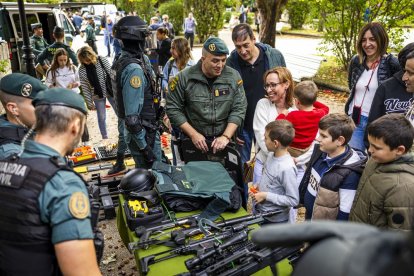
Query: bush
227, 17
175, 12
298, 11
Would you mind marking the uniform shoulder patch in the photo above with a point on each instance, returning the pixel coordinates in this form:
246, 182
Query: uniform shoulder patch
173, 83
79, 205
135, 82
239, 82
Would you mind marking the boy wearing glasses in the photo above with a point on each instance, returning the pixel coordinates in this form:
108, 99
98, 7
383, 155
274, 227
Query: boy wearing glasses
305, 120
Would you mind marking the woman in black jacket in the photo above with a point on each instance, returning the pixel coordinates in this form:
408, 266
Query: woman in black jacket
368, 69
164, 45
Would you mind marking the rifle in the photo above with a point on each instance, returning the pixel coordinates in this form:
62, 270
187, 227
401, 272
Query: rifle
196, 247
179, 236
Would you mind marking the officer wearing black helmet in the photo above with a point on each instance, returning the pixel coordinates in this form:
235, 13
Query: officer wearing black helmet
133, 83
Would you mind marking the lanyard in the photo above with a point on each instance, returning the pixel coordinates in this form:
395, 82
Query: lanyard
373, 68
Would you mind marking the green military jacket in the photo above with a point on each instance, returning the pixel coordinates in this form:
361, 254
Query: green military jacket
38, 43
90, 33
385, 193
208, 109
49, 52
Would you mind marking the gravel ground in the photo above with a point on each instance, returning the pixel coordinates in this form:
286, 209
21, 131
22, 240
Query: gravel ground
121, 261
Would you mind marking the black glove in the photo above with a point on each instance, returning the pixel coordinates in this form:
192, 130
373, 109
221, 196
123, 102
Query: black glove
149, 156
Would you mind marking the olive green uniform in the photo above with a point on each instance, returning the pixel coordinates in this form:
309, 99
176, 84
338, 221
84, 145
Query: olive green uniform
38, 43
208, 108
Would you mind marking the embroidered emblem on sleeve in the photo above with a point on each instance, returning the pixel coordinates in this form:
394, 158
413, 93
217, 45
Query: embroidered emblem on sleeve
135, 82
79, 205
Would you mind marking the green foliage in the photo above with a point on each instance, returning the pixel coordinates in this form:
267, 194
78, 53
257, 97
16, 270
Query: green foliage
4, 66
175, 12
227, 17
344, 19
209, 15
298, 12
144, 8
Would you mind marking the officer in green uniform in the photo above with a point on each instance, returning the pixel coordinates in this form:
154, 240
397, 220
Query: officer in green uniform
135, 96
45, 226
207, 100
37, 40
16, 94
90, 33
46, 56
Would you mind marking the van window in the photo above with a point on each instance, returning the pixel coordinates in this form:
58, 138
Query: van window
31, 18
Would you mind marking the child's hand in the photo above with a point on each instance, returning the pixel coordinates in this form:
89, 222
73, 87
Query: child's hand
260, 196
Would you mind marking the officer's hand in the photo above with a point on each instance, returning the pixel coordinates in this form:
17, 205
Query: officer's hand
239, 141
199, 142
219, 143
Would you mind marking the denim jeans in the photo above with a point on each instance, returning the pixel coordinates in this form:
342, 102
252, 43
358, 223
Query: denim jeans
357, 140
100, 105
246, 149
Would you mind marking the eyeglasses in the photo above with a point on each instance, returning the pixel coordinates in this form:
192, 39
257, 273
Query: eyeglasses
271, 85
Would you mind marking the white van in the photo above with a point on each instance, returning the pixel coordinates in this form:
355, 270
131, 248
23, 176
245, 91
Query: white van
47, 14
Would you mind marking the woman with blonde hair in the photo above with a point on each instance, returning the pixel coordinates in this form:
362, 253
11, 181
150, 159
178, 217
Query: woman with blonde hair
279, 86
62, 73
94, 75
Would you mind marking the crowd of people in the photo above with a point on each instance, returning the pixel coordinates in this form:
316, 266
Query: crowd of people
355, 165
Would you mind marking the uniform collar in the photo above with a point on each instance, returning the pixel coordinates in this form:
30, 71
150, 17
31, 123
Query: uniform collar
40, 150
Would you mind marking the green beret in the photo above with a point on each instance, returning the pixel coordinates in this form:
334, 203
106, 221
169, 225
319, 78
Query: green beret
22, 85
36, 25
216, 46
62, 97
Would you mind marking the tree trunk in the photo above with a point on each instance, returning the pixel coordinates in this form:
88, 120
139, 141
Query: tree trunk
270, 14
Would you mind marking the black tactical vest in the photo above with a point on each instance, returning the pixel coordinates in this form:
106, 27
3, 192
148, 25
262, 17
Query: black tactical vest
25, 241
149, 109
12, 135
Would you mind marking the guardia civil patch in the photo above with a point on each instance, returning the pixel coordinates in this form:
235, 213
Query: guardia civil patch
79, 205
135, 82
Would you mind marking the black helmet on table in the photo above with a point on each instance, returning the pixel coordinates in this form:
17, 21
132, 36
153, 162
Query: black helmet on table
137, 180
131, 28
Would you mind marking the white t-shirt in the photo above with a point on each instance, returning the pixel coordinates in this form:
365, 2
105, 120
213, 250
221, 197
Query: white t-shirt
63, 78
360, 91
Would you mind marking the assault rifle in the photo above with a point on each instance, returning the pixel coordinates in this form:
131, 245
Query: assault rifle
235, 233
179, 236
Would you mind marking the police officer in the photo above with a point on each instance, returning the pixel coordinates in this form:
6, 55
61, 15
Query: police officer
46, 56
37, 40
45, 226
207, 100
90, 33
16, 93
135, 97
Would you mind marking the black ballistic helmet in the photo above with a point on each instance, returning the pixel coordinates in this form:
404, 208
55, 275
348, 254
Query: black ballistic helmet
137, 180
131, 28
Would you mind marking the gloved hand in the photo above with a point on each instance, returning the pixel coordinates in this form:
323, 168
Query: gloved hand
149, 156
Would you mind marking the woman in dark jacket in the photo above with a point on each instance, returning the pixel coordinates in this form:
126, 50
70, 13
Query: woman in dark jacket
368, 69
164, 45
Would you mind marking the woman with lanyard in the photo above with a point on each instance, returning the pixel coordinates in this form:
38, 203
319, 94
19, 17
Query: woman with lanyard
368, 69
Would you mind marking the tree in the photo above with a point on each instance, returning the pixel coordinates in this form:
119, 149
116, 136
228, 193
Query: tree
298, 12
209, 15
270, 11
344, 19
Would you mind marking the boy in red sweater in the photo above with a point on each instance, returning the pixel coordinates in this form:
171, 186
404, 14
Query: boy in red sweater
305, 120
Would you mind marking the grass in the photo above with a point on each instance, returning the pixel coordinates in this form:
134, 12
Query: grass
331, 72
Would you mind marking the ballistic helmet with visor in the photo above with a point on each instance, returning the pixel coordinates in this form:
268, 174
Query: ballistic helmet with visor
131, 28
137, 180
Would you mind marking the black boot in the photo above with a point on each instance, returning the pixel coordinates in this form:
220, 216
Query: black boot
119, 166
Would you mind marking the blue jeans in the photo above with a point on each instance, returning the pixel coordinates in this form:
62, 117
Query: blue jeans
357, 140
246, 149
101, 114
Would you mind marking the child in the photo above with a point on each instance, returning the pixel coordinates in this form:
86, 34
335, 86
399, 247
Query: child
331, 178
277, 189
62, 73
385, 193
305, 120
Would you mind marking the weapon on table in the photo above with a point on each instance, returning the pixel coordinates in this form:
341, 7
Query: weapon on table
179, 236
196, 247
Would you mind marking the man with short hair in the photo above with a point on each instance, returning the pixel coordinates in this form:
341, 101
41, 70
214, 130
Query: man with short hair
37, 40
251, 59
46, 56
45, 218
207, 100
16, 94
165, 23
90, 33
